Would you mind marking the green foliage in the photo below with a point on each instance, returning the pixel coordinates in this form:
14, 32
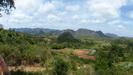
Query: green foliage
61, 67
111, 55
57, 46
73, 45
20, 49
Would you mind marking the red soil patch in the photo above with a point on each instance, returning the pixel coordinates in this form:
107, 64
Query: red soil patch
83, 54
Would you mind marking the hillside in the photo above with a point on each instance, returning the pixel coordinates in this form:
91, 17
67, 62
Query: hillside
11, 37
66, 37
66, 57
101, 34
12, 43
86, 33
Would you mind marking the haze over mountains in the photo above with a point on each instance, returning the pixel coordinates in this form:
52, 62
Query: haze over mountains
78, 33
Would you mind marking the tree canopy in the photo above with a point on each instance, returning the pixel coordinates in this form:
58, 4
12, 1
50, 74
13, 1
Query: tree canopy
6, 5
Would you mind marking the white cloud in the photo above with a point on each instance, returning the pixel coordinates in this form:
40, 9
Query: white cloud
20, 18
62, 13
47, 8
75, 17
36, 25
53, 18
131, 14
128, 22
27, 6
120, 27
58, 4
23, 13
105, 9
73, 7
94, 21
114, 22
84, 21
97, 21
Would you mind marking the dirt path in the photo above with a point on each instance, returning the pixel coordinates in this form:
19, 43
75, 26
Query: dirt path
83, 54
27, 68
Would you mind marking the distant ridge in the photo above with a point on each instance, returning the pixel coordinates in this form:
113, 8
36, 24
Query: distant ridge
37, 30
111, 35
78, 33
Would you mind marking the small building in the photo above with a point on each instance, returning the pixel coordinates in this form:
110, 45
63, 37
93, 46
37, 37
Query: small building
92, 52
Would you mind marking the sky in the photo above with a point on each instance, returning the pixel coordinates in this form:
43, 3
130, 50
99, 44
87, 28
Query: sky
109, 16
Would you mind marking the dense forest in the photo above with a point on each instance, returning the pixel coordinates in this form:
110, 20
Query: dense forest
113, 56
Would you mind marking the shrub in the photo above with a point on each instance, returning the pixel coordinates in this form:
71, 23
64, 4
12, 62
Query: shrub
61, 67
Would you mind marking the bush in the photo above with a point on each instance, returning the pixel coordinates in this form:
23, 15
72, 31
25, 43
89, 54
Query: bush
57, 46
61, 67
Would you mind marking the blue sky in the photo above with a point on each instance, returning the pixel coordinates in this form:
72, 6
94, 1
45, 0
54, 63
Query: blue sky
109, 16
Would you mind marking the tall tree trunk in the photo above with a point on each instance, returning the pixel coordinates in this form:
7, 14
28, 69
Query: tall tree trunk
4, 69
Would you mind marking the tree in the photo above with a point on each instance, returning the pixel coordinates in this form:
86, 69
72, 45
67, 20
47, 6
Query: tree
6, 5
61, 67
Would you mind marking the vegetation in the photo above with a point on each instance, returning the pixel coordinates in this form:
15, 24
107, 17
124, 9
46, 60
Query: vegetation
113, 56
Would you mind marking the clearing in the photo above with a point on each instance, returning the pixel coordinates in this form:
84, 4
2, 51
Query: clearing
83, 54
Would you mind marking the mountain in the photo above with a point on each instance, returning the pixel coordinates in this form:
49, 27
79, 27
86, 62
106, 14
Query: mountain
38, 30
66, 37
111, 35
78, 33
41, 32
70, 30
101, 34
86, 33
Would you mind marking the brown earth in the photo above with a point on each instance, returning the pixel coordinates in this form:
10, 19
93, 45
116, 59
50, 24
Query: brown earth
83, 54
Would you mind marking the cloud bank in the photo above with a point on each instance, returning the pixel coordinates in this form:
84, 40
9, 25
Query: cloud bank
112, 16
